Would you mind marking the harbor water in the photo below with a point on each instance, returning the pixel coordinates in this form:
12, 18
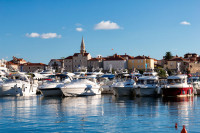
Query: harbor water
100, 113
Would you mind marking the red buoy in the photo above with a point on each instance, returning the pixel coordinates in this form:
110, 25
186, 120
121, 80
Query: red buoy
184, 130
176, 125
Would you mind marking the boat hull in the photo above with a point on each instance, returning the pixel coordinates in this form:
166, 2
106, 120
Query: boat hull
122, 91
106, 89
145, 92
49, 92
18, 90
80, 91
178, 92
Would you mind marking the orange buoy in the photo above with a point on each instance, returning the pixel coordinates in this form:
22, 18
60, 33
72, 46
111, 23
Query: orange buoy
184, 130
176, 125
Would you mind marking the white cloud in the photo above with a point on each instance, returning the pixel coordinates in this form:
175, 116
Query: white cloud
106, 25
79, 29
44, 35
33, 35
185, 23
50, 35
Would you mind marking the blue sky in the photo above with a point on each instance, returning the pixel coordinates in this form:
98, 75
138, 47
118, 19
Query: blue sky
40, 30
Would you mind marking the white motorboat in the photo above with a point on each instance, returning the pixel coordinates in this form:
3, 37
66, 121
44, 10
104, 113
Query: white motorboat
123, 88
20, 87
177, 86
106, 85
52, 88
81, 87
194, 81
147, 86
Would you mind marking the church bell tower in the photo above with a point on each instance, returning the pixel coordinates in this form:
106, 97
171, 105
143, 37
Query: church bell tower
82, 51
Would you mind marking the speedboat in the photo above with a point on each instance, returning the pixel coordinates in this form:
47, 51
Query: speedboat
194, 81
18, 87
52, 88
81, 87
147, 86
123, 88
177, 86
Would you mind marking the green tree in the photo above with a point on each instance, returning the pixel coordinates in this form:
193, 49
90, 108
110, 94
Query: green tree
162, 73
168, 56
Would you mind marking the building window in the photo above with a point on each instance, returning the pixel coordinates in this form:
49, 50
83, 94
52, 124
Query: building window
138, 61
141, 61
132, 61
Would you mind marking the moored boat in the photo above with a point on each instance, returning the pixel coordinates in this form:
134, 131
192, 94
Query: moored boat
18, 87
194, 81
123, 88
52, 88
81, 87
177, 86
147, 86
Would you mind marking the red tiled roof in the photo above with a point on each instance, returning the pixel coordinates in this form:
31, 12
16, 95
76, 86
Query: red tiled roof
57, 60
96, 59
142, 57
33, 64
179, 59
10, 63
128, 56
114, 57
69, 57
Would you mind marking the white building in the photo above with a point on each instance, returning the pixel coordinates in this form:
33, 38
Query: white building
95, 63
3, 63
56, 64
116, 62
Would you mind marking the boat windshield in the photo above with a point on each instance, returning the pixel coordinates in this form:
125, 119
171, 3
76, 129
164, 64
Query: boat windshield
173, 81
152, 81
193, 80
140, 81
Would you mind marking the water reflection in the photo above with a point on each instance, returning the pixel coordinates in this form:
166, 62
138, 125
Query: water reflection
82, 105
100, 113
180, 109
